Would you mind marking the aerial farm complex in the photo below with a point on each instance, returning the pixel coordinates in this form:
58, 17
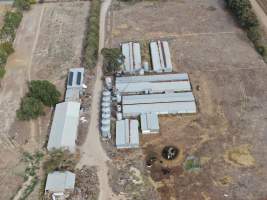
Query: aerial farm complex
143, 94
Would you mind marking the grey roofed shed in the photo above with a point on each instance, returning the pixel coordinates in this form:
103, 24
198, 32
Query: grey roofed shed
75, 78
153, 87
153, 78
155, 57
72, 94
159, 108
158, 98
149, 123
60, 181
127, 134
64, 128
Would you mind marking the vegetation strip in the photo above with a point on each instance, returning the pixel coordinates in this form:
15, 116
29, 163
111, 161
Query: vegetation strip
246, 17
92, 36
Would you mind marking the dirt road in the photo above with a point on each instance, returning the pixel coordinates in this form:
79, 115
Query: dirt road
92, 153
260, 13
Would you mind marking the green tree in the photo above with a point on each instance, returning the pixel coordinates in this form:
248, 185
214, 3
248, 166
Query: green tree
253, 34
3, 57
45, 91
2, 72
30, 108
7, 47
113, 59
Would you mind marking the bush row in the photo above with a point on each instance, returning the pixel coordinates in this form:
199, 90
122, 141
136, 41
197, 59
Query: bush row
246, 17
41, 93
92, 36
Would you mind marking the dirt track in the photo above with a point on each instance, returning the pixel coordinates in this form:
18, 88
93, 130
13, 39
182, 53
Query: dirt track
260, 13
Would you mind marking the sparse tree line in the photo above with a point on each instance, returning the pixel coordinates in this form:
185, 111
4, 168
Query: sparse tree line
92, 36
12, 20
246, 17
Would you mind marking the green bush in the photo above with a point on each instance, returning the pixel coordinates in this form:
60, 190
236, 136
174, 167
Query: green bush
113, 59
22, 4
253, 34
45, 91
92, 36
58, 160
3, 57
30, 108
2, 72
7, 47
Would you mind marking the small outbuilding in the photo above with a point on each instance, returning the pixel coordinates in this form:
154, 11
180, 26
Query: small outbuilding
60, 182
127, 134
149, 123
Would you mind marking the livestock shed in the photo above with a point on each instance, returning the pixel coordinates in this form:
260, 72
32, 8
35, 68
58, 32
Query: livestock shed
64, 128
60, 182
149, 123
160, 108
161, 57
75, 84
132, 57
127, 134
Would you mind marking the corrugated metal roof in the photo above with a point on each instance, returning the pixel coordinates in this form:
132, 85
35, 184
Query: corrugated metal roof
167, 56
72, 94
127, 135
158, 98
153, 78
149, 123
60, 181
126, 53
75, 78
159, 108
64, 126
155, 57
137, 56
153, 87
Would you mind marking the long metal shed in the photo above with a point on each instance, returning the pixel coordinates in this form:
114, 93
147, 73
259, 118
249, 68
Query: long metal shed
153, 78
153, 87
127, 134
167, 56
60, 181
64, 128
155, 57
158, 98
159, 108
137, 56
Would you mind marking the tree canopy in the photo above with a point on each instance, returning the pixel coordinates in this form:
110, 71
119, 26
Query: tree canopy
30, 108
113, 59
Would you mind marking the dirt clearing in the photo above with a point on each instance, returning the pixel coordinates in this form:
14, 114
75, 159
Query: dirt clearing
48, 43
228, 79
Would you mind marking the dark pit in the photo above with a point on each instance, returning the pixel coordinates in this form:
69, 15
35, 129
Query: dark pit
170, 152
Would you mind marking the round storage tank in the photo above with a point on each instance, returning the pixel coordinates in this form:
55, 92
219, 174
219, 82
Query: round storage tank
105, 104
141, 72
106, 93
105, 121
106, 110
106, 116
106, 99
119, 108
118, 97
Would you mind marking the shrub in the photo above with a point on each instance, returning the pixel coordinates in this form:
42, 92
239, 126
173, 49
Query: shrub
7, 47
2, 72
92, 38
30, 108
253, 34
113, 59
58, 160
22, 4
3, 57
45, 91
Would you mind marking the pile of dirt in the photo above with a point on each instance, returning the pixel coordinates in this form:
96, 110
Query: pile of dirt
240, 156
87, 184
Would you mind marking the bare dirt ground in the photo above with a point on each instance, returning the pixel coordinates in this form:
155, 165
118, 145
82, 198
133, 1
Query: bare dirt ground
48, 43
260, 8
228, 134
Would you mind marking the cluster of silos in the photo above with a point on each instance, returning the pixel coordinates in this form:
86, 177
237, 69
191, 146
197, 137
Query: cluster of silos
106, 113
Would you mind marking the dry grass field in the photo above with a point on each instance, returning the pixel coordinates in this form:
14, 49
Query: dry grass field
48, 43
228, 134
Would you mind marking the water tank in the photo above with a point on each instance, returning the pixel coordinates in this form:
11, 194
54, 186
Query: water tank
105, 104
108, 82
146, 66
141, 72
105, 121
106, 110
106, 99
106, 116
119, 116
106, 93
